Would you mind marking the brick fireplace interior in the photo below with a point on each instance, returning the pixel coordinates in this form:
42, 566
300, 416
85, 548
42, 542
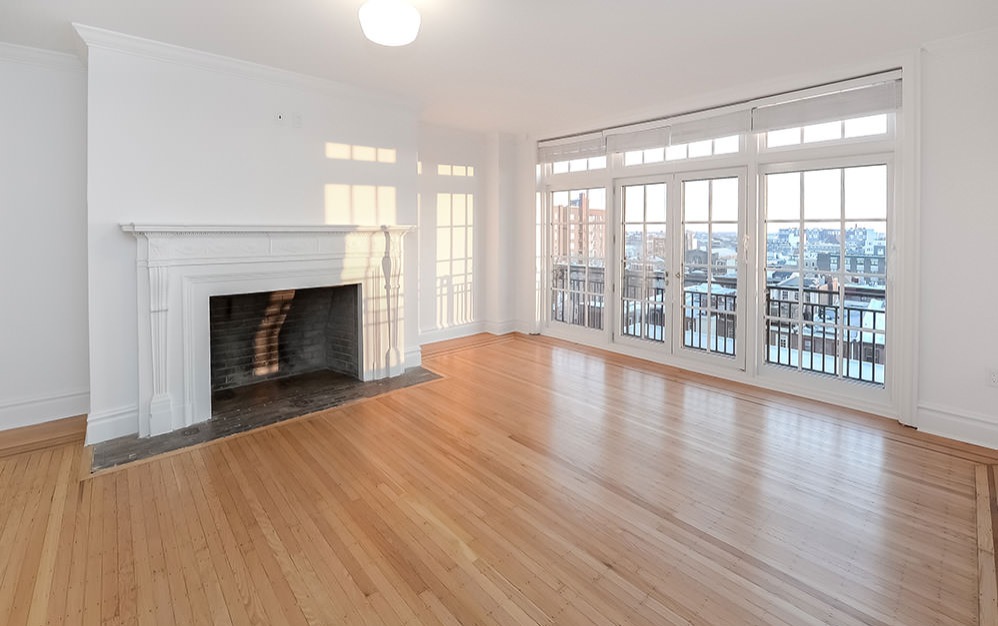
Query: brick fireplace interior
258, 337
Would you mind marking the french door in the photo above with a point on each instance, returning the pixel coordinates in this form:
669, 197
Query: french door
681, 264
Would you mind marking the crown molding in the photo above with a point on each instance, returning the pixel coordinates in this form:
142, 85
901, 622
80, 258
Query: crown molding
974, 38
14, 53
100, 38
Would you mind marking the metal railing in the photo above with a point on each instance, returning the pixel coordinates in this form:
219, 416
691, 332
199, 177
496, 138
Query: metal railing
821, 331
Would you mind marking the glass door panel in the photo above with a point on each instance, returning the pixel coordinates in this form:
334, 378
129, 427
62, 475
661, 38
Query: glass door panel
645, 253
578, 257
711, 232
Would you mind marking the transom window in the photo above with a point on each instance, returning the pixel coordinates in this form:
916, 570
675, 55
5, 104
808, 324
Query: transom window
579, 165
679, 152
828, 131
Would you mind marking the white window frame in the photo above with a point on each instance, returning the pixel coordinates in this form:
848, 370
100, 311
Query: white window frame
898, 399
575, 181
783, 376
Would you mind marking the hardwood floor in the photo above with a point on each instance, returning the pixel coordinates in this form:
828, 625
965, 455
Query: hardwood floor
40, 436
537, 482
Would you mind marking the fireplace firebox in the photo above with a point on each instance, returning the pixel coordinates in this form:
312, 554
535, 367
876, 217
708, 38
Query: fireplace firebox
279, 334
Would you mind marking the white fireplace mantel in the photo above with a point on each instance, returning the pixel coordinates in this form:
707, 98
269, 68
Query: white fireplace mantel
180, 266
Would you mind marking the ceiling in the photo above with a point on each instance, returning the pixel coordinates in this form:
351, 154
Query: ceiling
545, 67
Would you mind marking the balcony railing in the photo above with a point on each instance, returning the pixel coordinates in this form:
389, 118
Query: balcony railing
818, 330
812, 330
709, 321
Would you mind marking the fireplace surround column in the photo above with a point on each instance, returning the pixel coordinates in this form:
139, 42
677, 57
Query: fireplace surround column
161, 405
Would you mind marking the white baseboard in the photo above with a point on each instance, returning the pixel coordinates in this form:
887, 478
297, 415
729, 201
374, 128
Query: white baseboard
113, 423
501, 328
414, 357
527, 327
968, 426
39, 409
454, 332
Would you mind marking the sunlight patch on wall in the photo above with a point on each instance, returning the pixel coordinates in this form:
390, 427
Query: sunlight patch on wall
360, 204
455, 259
456, 170
369, 154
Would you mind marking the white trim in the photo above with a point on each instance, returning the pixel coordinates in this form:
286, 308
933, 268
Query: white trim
168, 53
112, 424
179, 268
527, 327
414, 357
906, 218
501, 328
204, 229
899, 147
36, 56
451, 332
985, 37
467, 330
971, 427
44, 408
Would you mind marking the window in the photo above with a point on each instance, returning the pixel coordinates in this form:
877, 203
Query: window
579, 165
710, 210
578, 255
646, 258
828, 131
824, 319
806, 179
683, 151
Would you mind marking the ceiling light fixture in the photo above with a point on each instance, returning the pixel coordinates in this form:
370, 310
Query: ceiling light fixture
389, 22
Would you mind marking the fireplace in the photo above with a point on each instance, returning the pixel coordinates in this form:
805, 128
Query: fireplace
263, 336
186, 272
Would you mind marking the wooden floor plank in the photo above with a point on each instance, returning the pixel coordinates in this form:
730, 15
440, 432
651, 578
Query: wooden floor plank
537, 482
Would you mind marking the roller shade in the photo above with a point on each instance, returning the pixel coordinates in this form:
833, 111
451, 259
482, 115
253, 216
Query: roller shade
858, 102
857, 97
643, 139
577, 147
724, 125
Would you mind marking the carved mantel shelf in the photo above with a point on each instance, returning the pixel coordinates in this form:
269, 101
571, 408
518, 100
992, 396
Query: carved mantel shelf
208, 229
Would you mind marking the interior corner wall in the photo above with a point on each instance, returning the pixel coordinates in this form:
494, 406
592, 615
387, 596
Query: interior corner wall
500, 314
199, 141
526, 232
43, 317
958, 342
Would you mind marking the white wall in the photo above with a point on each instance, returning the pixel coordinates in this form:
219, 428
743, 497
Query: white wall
453, 252
504, 248
959, 244
177, 136
503, 191
526, 231
43, 314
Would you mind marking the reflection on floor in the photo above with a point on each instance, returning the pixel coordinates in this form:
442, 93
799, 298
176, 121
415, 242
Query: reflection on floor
245, 408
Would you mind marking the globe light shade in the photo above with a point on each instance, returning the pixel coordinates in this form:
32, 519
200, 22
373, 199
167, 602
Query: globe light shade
389, 22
